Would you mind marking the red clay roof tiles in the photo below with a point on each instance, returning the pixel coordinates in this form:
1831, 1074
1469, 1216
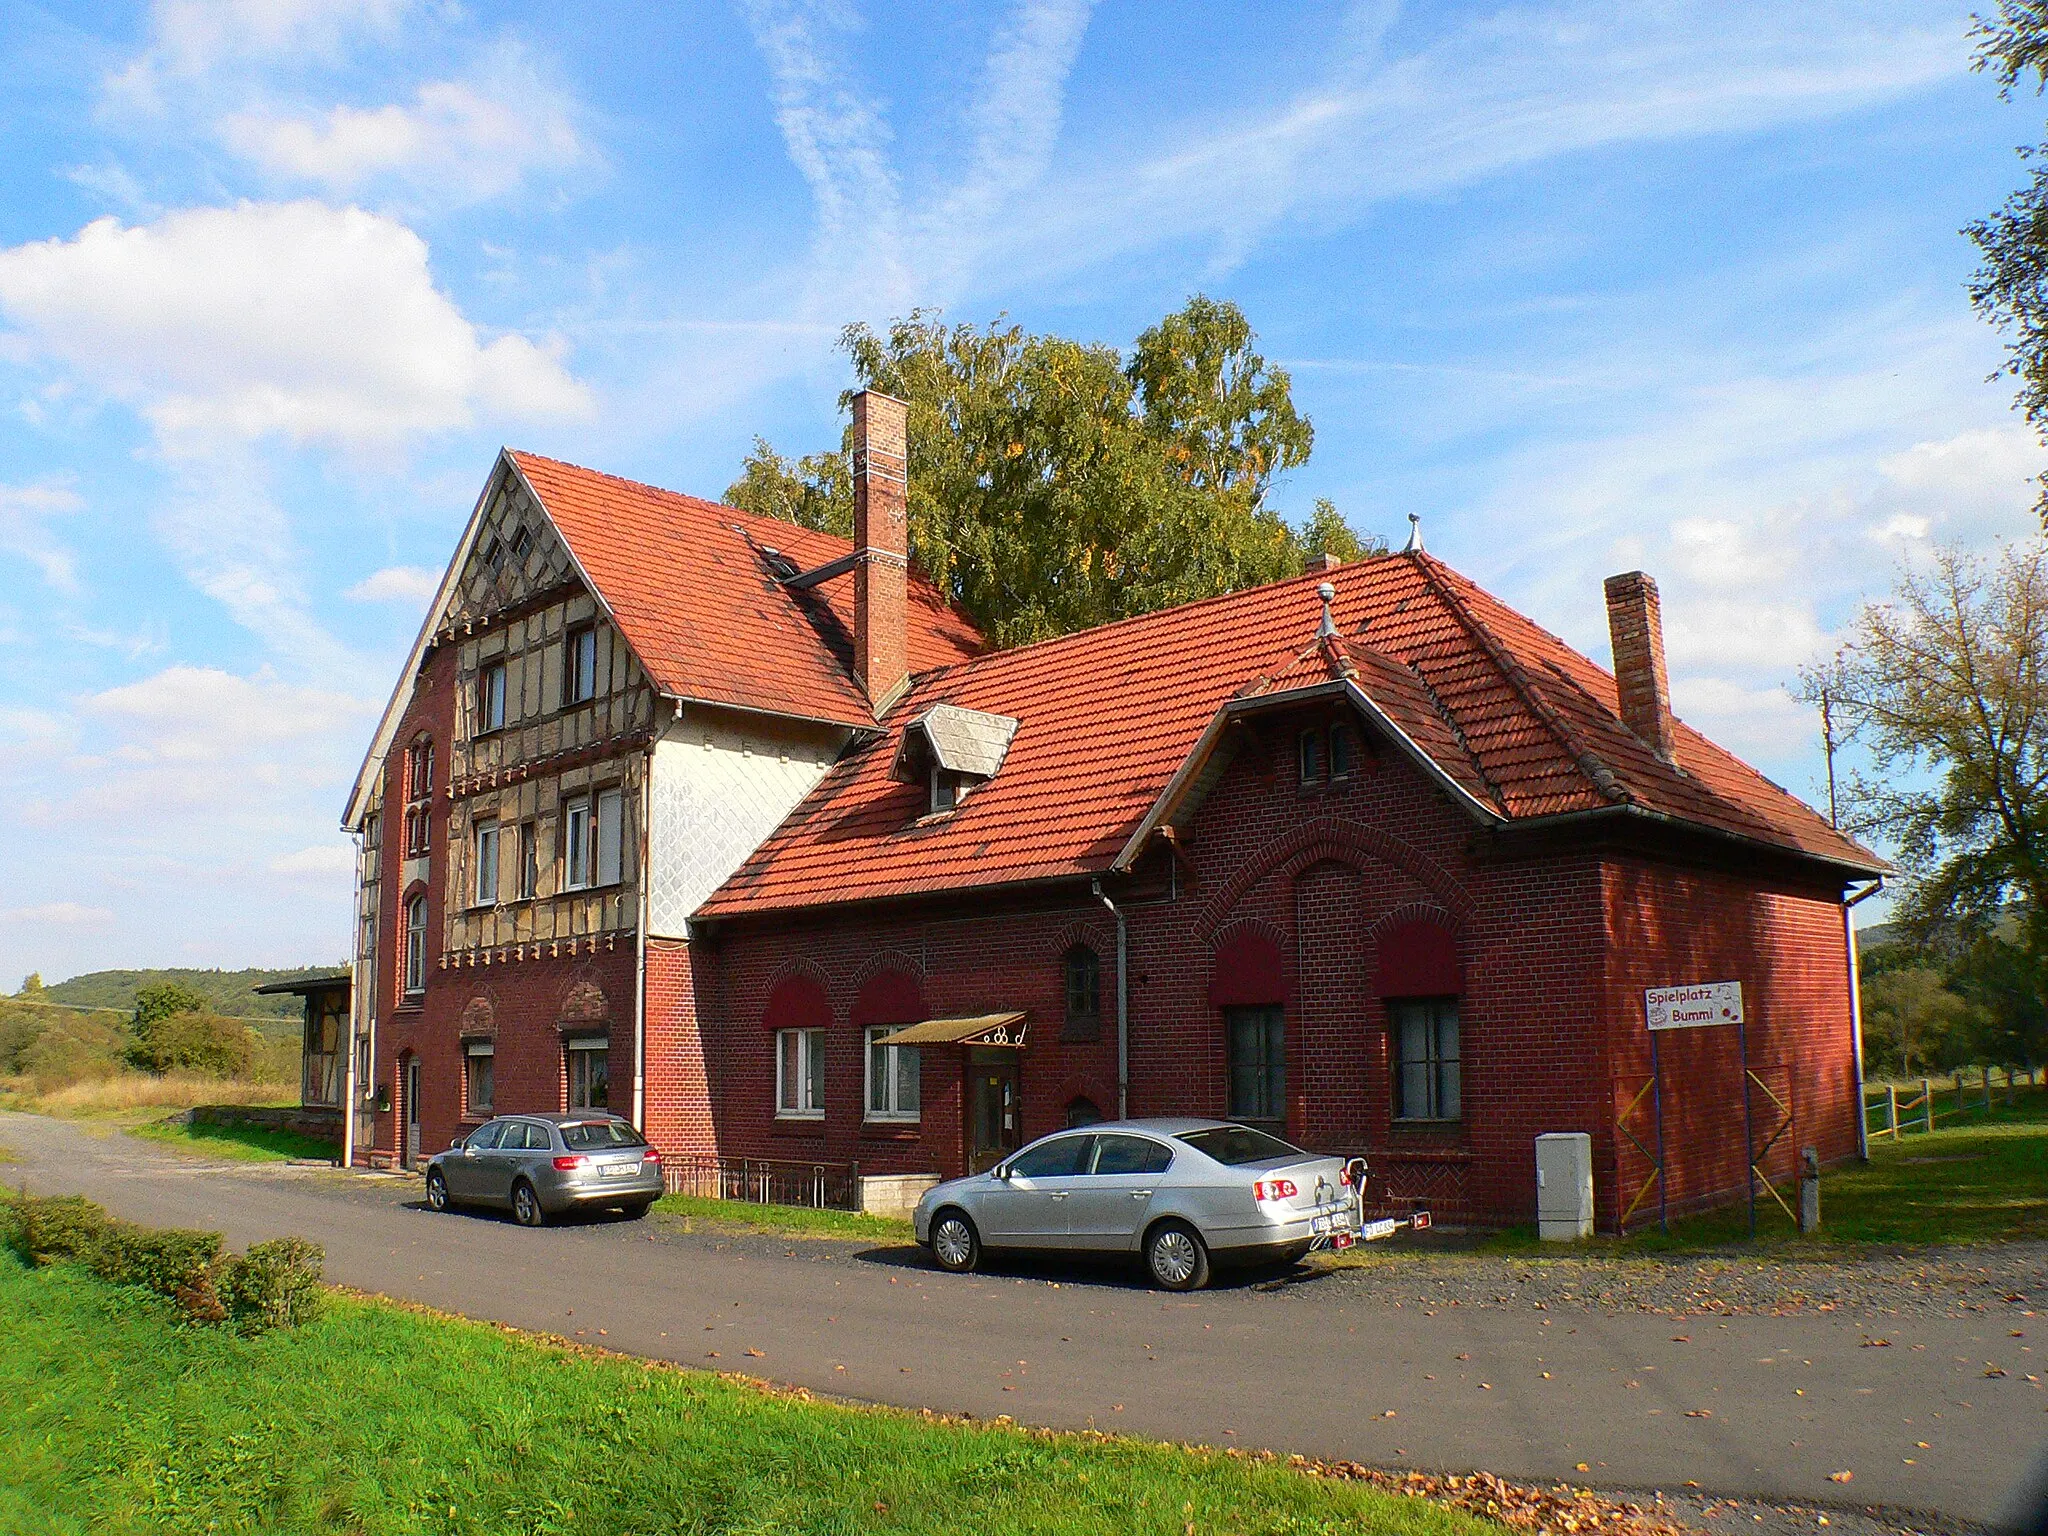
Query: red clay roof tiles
686, 581
1508, 712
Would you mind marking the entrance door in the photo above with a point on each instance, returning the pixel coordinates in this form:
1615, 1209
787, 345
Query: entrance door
410, 1086
992, 1107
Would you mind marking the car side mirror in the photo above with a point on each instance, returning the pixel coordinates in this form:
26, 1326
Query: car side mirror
458, 1145
1001, 1171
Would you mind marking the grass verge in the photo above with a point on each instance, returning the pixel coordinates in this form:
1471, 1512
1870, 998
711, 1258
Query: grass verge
1980, 1179
696, 1213
378, 1419
241, 1143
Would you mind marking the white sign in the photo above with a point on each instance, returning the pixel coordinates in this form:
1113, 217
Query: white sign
1694, 1007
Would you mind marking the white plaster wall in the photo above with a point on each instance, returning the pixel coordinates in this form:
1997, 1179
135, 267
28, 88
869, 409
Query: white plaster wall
722, 781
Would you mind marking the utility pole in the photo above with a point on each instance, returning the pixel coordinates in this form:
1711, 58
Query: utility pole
1827, 739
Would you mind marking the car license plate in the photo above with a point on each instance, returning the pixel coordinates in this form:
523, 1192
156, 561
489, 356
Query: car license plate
620, 1170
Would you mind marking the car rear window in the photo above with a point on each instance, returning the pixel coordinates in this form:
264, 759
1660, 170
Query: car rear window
1235, 1145
595, 1135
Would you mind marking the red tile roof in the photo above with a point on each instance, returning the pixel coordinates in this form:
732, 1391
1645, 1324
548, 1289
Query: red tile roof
1506, 712
686, 582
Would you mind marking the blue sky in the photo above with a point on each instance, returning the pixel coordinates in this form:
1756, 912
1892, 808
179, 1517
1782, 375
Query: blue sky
1588, 287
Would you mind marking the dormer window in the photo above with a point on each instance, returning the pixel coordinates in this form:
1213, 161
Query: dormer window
948, 789
953, 750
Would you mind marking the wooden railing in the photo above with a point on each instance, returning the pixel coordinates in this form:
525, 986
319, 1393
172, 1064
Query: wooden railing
1897, 1114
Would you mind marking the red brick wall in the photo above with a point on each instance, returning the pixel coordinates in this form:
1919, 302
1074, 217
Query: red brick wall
1785, 944
1553, 952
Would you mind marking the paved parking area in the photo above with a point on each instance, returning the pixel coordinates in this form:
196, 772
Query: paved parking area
1947, 1414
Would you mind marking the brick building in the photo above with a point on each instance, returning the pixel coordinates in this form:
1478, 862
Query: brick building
738, 829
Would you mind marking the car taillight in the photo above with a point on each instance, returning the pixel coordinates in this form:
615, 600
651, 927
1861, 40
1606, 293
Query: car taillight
1344, 1178
1274, 1189
650, 1156
570, 1164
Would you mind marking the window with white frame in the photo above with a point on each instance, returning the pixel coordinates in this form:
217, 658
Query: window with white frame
892, 1072
485, 891
576, 843
479, 1063
611, 828
416, 944
590, 1073
490, 697
579, 665
800, 1074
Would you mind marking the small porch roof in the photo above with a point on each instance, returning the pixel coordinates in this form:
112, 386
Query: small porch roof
326, 981
982, 1029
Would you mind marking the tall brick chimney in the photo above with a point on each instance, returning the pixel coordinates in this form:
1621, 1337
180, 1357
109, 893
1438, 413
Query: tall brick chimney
881, 545
1635, 626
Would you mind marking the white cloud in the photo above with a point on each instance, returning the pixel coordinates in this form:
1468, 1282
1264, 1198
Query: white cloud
461, 140
191, 38
296, 319
1513, 88
327, 861
25, 515
65, 914
413, 584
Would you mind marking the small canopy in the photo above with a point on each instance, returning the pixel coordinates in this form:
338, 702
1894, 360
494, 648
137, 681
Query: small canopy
325, 982
983, 1029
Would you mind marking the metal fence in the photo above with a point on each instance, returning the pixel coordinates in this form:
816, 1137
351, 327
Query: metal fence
766, 1181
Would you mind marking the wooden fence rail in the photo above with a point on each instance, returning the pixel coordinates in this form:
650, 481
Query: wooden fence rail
1897, 1115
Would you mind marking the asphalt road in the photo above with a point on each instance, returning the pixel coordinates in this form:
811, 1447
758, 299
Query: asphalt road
1747, 1406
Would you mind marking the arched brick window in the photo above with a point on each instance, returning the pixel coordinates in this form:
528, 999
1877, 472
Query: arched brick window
889, 997
416, 944
1248, 982
1419, 978
1081, 972
419, 796
798, 1002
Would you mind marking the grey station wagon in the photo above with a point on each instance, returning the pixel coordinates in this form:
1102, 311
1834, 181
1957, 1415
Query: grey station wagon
1173, 1191
537, 1166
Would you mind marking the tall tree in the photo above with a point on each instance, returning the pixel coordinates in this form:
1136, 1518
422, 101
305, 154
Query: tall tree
1946, 685
1053, 485
2010, 287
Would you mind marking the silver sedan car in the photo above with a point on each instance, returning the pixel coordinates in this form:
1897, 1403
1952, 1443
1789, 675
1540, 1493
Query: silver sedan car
1174, 1191
537, 1166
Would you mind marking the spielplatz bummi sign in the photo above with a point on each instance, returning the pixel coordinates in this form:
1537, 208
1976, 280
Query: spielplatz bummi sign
1695, 1006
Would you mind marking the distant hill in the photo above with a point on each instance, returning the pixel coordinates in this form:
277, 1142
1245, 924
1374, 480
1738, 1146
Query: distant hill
230, 992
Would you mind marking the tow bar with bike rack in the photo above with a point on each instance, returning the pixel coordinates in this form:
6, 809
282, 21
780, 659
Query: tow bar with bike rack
1336, 1238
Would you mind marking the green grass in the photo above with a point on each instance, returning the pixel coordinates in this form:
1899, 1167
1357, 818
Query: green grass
9, 1155
1975, 1178
375, 1420
243, 1144
699, 1214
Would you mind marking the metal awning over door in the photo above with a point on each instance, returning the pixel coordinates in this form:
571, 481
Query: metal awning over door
983, 1029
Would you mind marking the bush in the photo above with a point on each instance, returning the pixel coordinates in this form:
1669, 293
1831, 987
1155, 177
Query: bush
58, 1231
274, 1285
193, 1042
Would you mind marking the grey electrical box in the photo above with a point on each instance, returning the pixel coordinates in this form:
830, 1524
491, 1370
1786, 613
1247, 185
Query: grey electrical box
1564, 1186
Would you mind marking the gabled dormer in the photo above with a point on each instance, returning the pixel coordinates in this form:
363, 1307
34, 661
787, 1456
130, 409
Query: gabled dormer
951, 750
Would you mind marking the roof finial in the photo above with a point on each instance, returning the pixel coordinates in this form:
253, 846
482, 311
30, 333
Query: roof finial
1414, 544
1327, 630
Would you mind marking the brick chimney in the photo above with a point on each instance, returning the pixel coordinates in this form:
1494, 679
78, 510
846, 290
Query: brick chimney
881, 546
1635, 627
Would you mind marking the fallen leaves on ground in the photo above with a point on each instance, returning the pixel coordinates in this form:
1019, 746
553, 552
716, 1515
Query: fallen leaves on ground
1840, 1477
1556, 1511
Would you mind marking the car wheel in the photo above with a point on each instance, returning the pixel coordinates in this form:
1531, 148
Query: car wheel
526, 1205
956, 1246
635, 1209
437, 1191
1177, 1257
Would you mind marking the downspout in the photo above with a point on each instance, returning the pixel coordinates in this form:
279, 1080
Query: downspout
1856, 1014
1123, 1005
349, 1088
640, 963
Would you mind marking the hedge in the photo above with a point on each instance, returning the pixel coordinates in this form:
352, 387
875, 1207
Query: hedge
274, 1285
